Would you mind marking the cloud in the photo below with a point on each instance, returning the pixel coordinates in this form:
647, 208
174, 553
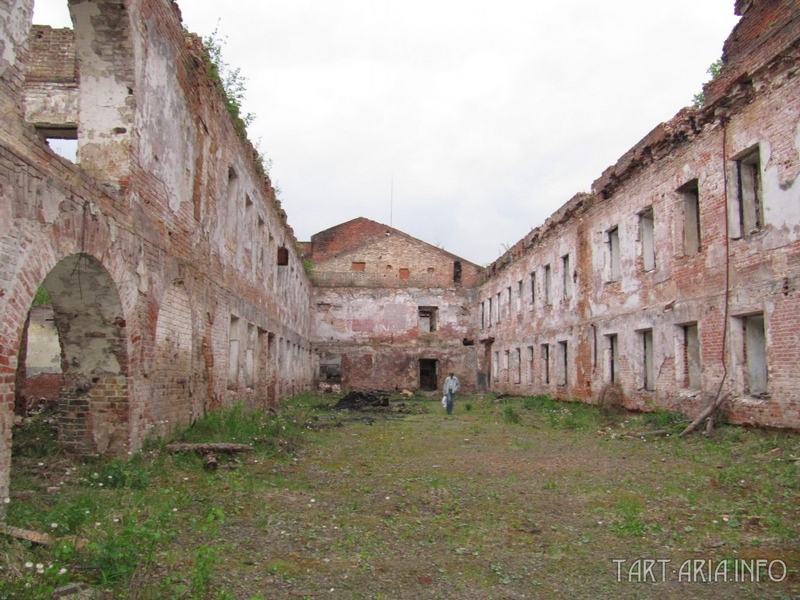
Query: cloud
465, 123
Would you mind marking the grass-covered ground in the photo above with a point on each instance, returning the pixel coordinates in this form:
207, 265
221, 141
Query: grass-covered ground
519, 498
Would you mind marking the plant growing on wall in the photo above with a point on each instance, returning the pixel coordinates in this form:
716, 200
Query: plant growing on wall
232, 86
230, 82
713, 70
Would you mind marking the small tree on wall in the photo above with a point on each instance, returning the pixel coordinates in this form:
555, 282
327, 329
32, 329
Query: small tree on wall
713, 70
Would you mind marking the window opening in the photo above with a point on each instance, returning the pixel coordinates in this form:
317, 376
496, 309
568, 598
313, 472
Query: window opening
427, 319
613, 254
648, 365
755, 353
457, 271
751, 217
546, 363
647, 234
283, 256
613, 357
547, 283
691, 357
691, 217
563, 359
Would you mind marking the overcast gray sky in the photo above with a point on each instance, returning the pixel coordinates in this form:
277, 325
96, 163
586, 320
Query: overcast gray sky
464, 123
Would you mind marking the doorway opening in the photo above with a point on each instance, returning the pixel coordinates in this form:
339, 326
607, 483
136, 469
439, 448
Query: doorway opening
428, 380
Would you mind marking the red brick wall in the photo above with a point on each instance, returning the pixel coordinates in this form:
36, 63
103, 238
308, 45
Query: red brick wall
763, 273
156, 212
384, 252
52, 55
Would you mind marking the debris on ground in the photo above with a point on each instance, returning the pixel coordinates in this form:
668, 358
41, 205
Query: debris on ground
362, 401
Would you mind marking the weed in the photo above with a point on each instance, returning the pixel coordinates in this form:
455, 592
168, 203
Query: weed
42, 298
629, 523
204, 559
129, 475
511, 416
540, 402
663, 418
37, 438
501, 574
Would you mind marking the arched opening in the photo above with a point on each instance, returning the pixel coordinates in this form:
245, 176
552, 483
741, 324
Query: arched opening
172, 391
39, 378
92, 402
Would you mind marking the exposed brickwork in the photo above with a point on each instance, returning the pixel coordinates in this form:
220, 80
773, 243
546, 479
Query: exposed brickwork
148, 247
363, 253
178, 287
734, 274
374, 321
52, 55
42, 386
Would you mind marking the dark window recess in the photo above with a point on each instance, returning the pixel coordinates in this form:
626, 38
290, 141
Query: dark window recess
613, 357
283, 256
330, 370
457, 271
427, 374
468, 342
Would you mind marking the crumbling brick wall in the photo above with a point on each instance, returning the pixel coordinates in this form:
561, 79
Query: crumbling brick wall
163, 236
392, 312
51, 81
684, 256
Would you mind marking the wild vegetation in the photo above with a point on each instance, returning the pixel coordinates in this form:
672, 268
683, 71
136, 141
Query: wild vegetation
508, 498
714, 70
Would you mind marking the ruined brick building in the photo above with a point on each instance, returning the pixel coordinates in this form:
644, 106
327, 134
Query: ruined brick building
175, 282
178, 287
390, 311
678, 276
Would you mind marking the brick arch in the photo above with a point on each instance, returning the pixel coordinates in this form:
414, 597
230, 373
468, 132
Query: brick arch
172, 393
93, 403
87, 311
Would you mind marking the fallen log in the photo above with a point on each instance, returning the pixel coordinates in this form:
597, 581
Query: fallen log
210, 448
708, 411
40, 539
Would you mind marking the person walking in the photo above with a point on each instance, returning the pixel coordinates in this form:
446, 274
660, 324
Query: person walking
451, 386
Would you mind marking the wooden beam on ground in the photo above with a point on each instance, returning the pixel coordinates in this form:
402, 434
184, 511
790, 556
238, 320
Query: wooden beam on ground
209, 448
42, 539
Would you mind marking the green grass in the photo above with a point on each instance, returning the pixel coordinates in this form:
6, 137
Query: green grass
42, 298
527, 496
